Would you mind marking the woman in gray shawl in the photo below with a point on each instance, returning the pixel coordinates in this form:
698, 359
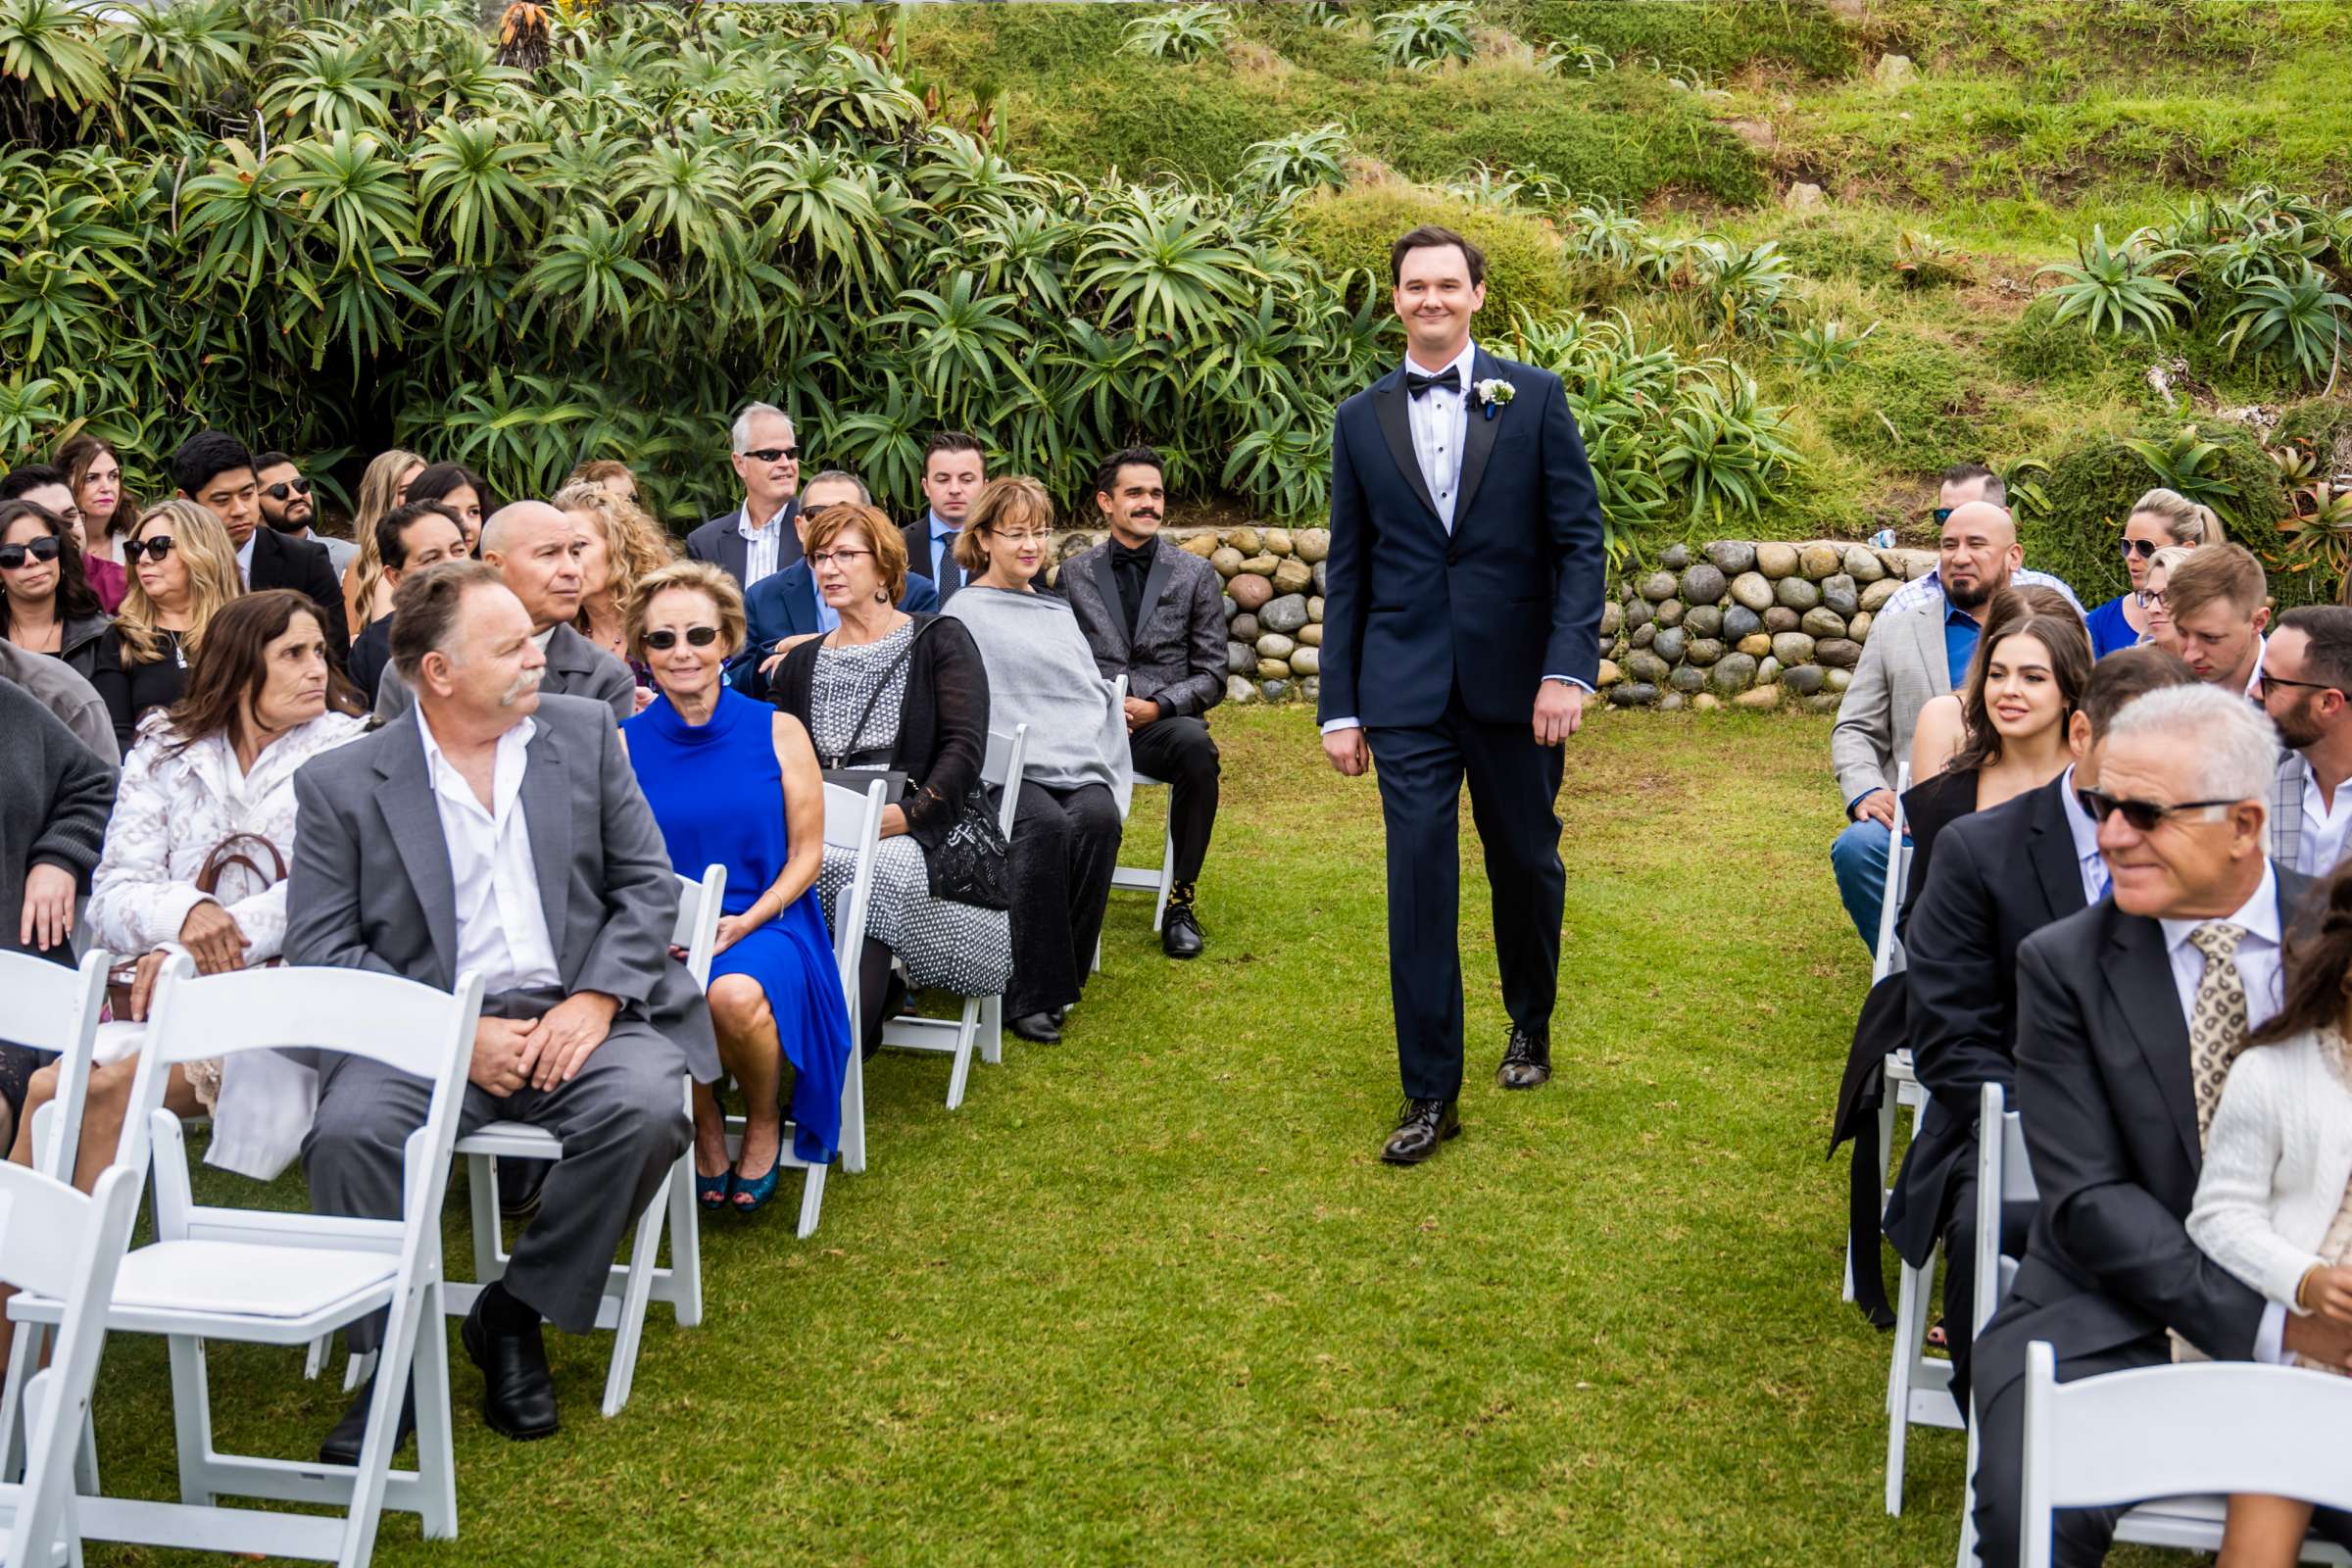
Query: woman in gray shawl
1074, 778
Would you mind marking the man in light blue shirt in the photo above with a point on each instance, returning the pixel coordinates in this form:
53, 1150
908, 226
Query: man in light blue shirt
954, 471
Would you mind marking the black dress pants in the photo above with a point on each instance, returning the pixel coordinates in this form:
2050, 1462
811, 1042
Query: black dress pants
1960, 1268
1065, 845
1180, 753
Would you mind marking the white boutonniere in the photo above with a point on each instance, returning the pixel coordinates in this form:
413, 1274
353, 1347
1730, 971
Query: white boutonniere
1493, 393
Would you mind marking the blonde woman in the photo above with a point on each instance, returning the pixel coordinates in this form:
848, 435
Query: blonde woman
619, 548
182, 570
612, 476
2160, 618
367, 595
2161, 520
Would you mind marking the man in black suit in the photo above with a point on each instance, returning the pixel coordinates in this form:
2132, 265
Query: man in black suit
2129, 1014
758, 538
217, 472
1981, 900
954, 471
1461, 637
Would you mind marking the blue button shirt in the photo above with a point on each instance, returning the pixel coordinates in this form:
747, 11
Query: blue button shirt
1960, 631
943, 545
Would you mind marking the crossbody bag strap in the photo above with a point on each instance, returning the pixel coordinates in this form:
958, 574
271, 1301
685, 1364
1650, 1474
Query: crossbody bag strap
857, 730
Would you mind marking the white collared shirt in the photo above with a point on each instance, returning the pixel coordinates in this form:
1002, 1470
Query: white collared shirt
2257, 957
2321, 845
502, 926
245, 555
2262, 647
2087, 860
1441, 425
760, 544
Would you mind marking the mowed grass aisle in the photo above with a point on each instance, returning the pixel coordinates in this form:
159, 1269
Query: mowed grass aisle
1149, 1297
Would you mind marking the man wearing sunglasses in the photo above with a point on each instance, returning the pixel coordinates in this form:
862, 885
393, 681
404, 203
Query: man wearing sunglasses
2305, 677
286, 505
2129, 1015
1961, 484
756, 540
217, 472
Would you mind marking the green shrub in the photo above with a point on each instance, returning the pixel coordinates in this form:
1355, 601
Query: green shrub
1907, 402
1354, 229
1717, 38
2091, 485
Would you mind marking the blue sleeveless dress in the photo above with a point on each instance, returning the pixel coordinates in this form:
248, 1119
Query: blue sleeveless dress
718, 794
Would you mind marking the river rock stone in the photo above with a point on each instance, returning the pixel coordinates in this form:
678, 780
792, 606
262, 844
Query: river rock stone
1779, 618
1292, 576
1226, 560
1314, 607
1260, 565
1762, 698
1310, 634
1793, 648
1609, 675
1706, 703
1639, 612
1797, 593
1270, 669
1894, 72
1320, 565
1278, 542
1203, 544
1804, 679
1733, 674
1277, 690
1863, 564
1819, 561
1822, 623
1669, 644
1671, 612
1306, 660
1702, 584
1658, 586
1670, 702
1776, 560
1739, 623
1246, 628
1245, 540
1240, 659
1676, 558
1231, 608
1730, 556
1837, 680
1310, 690
1756, 644
1285, 614
1239, 689
1858, 629
1826, 703
1703, 620
1643, 665
1838, 593
1768, 670
1838, 653
1249, 591
1643, 635
1612, 619
1687, 678
1632, 694
1752, 590
1703, 651
1311, 544
1875, 596
1274, 645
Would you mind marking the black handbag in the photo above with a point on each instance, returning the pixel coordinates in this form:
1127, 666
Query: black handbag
856, 770
972, 864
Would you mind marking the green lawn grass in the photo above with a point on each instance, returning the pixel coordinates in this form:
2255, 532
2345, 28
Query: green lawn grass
1149, 1297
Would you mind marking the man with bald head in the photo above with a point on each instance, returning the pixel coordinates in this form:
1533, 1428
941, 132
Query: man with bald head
1911, 656
536, 549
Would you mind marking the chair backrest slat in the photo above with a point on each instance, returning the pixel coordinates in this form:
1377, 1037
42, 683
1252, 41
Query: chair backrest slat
50, 1008
700, 904
2004, 1174
853, 821
1001, 767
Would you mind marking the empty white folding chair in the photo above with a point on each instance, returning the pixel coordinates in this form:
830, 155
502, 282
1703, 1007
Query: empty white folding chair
629, 1287
68, 1248
853, 822
982, 1023
1156, 881
269, 1278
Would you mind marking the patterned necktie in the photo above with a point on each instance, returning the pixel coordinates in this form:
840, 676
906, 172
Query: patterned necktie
2217, 1019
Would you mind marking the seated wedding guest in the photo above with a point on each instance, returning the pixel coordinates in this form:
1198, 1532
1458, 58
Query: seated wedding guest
907, 694
286, 505
536, 551
1911, 656
384, 487
56, 686
195, 863
217, 472
492, 829
46, 606
618, 549
461, 490
787, 605
2217, 602
757, 539
2001, 874
51, 488
182, 570
1155, 614
2024, 685
1074, 778
955, 470
2160, 634
95, 471
2160, 519
1942, 727
1960, 485
614, 476
735, 783
2128, 1018
410, 538
2306, 687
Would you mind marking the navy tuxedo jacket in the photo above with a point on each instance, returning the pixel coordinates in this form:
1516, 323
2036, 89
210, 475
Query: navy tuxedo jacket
783, 604
1512, 595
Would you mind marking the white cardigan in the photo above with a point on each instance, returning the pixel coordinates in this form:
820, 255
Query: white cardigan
172, 810
2277, 1163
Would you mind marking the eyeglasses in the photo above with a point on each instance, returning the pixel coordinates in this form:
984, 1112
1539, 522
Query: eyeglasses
837, 557
662, 640
13, 557
2150, 598
291, 487
156, 545
2145, 548
2142, 815
1024, 538
772, 453
2265, 679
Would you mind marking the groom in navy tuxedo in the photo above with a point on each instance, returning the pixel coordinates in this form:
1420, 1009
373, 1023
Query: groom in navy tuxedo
1461, 627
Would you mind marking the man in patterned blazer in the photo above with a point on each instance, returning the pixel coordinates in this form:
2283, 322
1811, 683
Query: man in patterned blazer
2305, 686
1155, 614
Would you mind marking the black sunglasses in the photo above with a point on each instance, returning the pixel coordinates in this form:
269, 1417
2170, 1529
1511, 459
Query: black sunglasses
156, 545
1944, 515
662, 640
771, 454
13, 557
2142, 815
295, 487
2143, 548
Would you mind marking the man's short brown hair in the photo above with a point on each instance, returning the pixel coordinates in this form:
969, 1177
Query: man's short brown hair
426, 605
882, 536
1432, 237
2216, 572
2126, 674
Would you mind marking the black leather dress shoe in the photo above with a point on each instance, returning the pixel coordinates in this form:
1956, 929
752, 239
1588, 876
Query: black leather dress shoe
1180, 932
519, 1398
1425, 1124
1037, 1026
1526, 1060
342, 1444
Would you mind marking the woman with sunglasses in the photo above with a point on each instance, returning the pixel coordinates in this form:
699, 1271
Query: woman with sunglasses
383, 490
735, 783
2160, 519
46, 607
95, 472
183, 572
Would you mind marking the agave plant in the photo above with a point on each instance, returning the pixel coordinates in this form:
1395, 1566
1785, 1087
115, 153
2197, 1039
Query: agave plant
1304, 160
1180, 33
1825, 347
1921, 258
1602, 231
1743, 288
1427, 34
2191, 464
1564, 55
2116, 290
2300, 322
49, 57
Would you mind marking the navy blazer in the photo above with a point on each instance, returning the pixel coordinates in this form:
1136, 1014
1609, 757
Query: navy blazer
1513, 594
718, 542
784, 605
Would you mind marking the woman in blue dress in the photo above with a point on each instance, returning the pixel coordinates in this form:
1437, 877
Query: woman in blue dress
734, 782
2159, 520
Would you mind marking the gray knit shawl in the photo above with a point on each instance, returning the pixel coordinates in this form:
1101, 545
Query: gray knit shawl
1042, 673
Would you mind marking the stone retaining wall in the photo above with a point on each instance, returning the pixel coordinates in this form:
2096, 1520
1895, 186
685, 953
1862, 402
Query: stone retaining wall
1273, 603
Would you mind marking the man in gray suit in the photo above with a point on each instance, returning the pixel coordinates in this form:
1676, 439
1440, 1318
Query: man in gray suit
1155, 614
537, 550
1912, 655
492, 829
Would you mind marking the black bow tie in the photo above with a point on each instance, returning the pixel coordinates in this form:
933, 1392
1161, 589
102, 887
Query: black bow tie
1415, 383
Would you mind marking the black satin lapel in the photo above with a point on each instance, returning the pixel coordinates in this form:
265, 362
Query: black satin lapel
1156, 583
2140, 978
1106, 583
1480, 443
1388, 406
2052, 852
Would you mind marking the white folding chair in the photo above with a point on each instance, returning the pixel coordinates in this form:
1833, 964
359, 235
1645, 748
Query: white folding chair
1147, 879
267, 1278
630, 1286
1903, 1089
69, 1248
982, 1023
854, 822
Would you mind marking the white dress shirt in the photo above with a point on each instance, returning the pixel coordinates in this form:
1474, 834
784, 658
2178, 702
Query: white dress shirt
245, 556
2258, 968
760, 544
1441, 423
2321, 845
502, 926
2262, 648
2087, 860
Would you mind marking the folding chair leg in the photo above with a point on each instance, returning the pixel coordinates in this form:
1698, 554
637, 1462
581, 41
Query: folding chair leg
399, 1354
685, 1246
85, 1461
1167, 877
15, 1422
992, 1030
1910, 1340
1968, 1499
489, 1241
314, 1359
644, 1257
967, 1034
812, 1199
436, 1440
193, 1418
852, 1112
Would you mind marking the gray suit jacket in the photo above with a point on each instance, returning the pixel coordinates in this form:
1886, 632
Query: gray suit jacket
1177, 655
575, 667
1902, 665
372, 889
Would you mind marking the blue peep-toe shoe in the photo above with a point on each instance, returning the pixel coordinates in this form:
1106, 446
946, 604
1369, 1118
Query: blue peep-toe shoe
757, 1192
711, 1192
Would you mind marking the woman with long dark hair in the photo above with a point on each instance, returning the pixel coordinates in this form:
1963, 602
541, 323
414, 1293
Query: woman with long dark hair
46, 603
95, 472
462, 491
